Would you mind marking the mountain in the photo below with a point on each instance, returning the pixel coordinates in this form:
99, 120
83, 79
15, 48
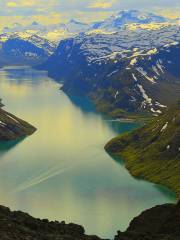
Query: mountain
126, 71
24, 49
153, 151
126, 17
12, 128
52, 32
160, 222
74, 26
57, 32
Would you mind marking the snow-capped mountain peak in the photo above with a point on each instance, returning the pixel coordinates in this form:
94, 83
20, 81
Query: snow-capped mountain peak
129, 16
57, 32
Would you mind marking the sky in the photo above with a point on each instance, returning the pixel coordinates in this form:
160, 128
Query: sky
56, 11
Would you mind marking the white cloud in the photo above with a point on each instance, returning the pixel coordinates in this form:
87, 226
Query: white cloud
11, 4
102, 4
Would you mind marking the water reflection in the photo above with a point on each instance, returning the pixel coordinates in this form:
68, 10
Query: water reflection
160, 188
6, 146
83, 103
62, 171
87, 107
19, 74
166, 191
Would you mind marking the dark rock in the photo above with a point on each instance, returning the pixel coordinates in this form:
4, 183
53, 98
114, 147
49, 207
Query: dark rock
18, 225
159, 223
13, 128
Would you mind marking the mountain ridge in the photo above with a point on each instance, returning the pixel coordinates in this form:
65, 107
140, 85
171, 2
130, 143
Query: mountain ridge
132, 73
73, 27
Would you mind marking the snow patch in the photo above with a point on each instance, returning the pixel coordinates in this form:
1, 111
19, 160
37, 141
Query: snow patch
110, 74
160, 67
133, 61
164, 127
155, 111
152, 51
134, 77
116, 94
144, 73
160, 105
147, 99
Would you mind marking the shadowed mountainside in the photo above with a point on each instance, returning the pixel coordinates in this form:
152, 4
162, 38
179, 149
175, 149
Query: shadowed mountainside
127, 72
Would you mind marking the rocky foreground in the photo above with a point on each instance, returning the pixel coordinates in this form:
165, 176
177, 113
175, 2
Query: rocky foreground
12, 128
158, 223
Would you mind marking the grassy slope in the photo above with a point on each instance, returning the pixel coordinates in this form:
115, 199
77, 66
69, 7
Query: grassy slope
152, 153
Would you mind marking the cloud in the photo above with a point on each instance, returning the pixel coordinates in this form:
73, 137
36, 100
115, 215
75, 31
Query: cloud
56, 11
101, 4
11, 4
32, 5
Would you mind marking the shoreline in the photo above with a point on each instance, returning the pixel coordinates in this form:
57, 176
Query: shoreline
140, 177
152, 152
127, 119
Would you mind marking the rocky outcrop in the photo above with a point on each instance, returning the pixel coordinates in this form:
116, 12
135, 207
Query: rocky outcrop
12, 128
21, 226
159, 223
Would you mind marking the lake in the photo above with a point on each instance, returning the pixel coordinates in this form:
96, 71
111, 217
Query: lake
62, 171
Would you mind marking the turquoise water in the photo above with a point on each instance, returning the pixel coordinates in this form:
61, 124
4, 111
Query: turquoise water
62, 171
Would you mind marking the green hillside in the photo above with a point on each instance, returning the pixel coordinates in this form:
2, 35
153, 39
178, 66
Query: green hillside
153, 152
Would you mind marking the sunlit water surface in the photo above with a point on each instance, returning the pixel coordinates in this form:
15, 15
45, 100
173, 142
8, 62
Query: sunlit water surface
62, 171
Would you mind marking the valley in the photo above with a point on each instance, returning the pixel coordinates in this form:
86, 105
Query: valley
61, 169
82, 84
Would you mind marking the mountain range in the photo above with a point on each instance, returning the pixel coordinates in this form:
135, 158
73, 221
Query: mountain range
124, 71
56, 32
126, 63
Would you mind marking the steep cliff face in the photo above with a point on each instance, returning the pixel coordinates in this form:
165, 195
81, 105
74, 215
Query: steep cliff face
12, 128
153, 152
131, 71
